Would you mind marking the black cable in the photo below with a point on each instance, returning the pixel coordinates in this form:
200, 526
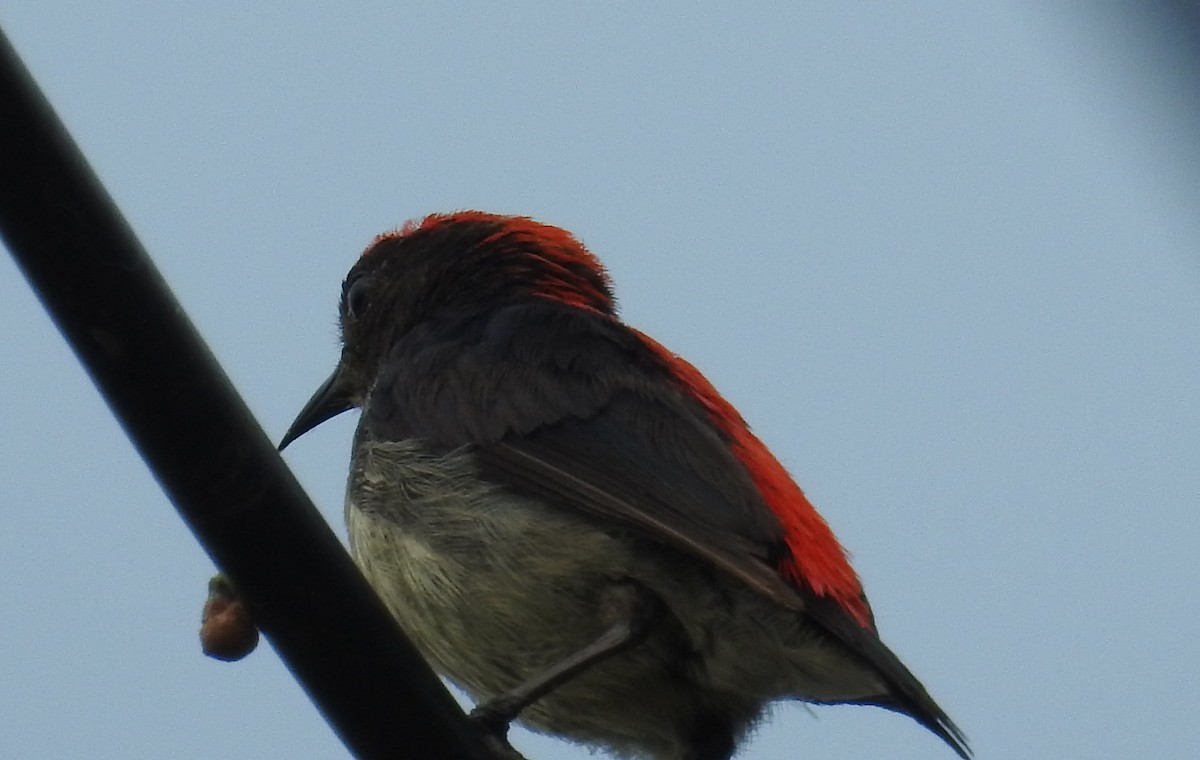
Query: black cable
205, 448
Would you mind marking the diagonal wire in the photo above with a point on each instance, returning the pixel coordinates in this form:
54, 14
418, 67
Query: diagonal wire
206, 450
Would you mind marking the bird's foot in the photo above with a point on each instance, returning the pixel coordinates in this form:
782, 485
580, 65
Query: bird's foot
494, 715
493, 718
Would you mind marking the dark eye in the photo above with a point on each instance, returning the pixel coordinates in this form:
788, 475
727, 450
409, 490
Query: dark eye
358, 298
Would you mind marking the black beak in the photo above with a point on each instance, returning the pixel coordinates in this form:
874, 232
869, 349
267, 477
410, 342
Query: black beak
330, 400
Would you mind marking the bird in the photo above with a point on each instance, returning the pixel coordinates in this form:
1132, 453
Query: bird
568, 520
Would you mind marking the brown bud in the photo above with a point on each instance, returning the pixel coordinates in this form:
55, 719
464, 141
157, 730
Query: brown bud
226, 629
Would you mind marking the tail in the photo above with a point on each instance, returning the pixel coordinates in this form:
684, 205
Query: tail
905, 693
930, 716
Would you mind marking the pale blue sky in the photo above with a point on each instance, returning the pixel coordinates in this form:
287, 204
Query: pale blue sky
943, 257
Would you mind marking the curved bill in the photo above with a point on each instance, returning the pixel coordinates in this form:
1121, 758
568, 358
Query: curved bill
330, 400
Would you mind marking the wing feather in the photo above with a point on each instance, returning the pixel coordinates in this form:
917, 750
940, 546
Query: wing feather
572, 406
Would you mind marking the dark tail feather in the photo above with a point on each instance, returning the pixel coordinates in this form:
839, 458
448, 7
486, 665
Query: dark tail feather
905, 694
941, 725
931, 717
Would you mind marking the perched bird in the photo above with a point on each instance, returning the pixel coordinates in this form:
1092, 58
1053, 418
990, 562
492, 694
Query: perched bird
568, 520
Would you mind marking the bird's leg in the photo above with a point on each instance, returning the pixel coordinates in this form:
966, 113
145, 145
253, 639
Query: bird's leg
627, 612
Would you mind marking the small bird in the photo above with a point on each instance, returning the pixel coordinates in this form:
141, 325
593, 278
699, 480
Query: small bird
568, 520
